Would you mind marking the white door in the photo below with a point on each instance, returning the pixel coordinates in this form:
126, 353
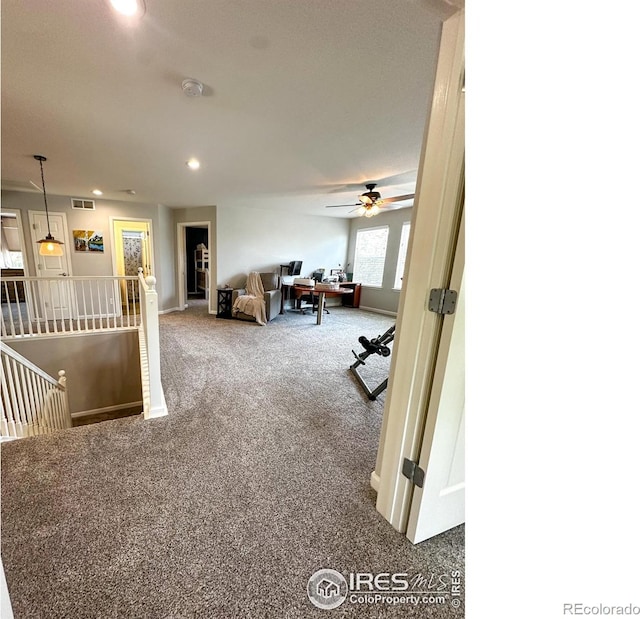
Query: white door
439, 504
57, 298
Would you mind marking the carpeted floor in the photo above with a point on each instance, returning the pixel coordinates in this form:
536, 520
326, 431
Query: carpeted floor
258, 477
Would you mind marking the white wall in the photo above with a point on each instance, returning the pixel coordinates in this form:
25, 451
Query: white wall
259, 240
385, 298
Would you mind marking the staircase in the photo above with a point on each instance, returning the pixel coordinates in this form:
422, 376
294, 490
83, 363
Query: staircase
33, 402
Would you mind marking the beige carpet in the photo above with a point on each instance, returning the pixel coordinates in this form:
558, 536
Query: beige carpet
258, 477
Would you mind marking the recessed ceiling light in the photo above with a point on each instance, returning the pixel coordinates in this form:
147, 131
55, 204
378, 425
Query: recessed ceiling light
96, 192
130, 8
194, 164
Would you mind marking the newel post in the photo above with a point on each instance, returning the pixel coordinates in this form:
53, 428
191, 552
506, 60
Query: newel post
152, 331
62, 381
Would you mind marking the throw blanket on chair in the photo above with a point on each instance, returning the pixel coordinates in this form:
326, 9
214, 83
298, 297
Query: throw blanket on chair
252, 303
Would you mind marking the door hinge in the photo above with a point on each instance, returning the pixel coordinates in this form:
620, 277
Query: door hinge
442, 301
413, 472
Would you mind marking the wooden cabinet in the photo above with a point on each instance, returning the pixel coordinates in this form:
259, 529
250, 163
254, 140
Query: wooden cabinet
351, 300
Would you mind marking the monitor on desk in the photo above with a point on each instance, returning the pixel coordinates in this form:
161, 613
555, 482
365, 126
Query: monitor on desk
293, 268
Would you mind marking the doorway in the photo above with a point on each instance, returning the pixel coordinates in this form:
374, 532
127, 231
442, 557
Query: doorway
194, 275
13, 250
132, 246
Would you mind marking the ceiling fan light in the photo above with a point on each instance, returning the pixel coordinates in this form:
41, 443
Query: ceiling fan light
365, 199
361, 211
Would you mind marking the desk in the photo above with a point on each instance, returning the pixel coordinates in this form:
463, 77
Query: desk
300, 290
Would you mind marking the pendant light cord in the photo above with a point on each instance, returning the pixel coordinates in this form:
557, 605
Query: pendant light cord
44, 191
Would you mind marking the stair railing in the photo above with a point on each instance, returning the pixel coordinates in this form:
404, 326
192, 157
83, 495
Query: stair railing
32, 402
36, 306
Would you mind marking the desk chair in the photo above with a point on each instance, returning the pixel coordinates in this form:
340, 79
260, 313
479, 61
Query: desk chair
293, 268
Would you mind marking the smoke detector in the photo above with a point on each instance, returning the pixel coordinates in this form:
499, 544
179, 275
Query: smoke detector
192, 88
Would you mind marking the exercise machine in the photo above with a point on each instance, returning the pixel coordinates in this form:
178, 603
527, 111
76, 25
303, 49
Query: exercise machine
376, 346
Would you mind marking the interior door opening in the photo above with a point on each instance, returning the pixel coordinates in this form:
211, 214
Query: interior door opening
197, 261
194, 262
132, 247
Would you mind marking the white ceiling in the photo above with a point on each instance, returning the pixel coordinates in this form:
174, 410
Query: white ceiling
304, 101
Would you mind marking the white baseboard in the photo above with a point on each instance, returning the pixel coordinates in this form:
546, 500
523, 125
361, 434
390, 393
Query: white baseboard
107, 409
375, 481
171, 309
375, 310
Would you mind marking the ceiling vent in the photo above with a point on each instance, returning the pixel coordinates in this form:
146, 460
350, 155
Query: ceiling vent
83, 205
192, 88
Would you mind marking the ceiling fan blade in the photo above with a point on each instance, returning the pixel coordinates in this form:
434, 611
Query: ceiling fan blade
408, 196
341, 205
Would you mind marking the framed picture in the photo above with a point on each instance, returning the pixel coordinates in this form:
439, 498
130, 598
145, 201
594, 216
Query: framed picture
88, 241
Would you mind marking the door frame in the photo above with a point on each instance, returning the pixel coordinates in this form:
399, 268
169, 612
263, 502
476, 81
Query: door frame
430, 255
112, 231
72, 307
181, 235
21, 236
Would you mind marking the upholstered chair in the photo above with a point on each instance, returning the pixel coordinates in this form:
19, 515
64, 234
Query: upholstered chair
272, 297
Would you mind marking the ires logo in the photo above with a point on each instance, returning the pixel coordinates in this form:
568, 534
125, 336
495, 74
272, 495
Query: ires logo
385, 581
328, 589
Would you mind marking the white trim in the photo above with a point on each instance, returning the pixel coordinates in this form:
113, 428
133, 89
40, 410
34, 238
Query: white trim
107, 409
374, 481
53, 335
172, 309
5, 600
428, 260
21, 237
375, 310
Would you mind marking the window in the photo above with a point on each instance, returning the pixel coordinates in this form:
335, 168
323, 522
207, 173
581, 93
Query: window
402, 254
371, 249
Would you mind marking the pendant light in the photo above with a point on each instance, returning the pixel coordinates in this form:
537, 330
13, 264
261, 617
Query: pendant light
48, 245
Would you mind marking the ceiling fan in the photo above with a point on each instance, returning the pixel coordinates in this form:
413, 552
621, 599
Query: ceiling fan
371, 201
